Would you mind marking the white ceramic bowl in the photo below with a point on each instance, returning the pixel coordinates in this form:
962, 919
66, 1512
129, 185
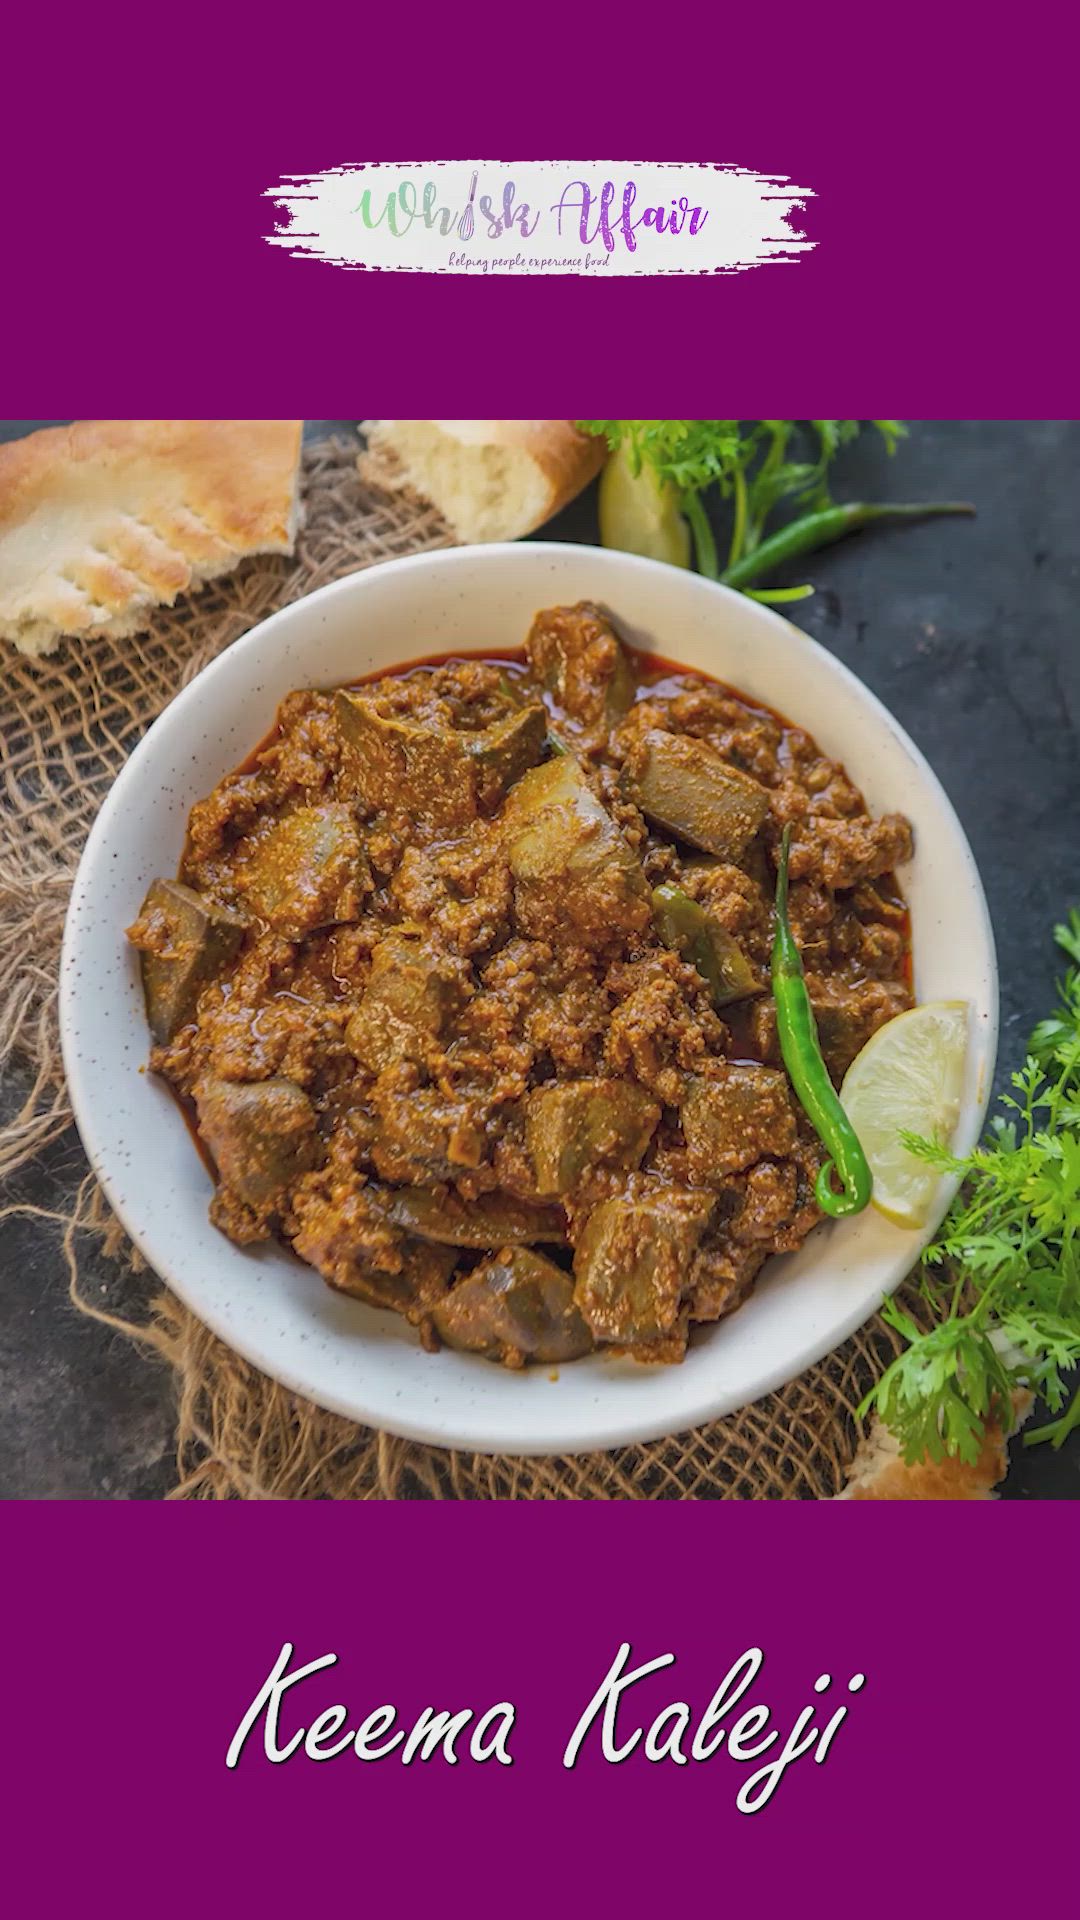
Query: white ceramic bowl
267, 1304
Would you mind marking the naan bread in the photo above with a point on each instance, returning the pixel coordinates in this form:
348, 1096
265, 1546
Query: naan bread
491, 479
878, 1472
103, 521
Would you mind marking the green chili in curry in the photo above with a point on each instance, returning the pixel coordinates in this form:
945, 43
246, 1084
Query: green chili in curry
796, 1030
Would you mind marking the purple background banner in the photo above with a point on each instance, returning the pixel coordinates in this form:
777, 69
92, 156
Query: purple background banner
938, 141
135, 1638
137, 281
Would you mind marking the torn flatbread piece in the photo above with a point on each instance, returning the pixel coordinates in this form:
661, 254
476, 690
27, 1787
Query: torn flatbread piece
105, 520
879, 1472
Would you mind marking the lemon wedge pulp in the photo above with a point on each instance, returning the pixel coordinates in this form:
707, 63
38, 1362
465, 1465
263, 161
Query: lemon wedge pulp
640, 514
909, 1078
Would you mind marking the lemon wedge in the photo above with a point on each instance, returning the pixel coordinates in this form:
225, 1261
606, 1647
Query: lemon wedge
640, 514
909, 1078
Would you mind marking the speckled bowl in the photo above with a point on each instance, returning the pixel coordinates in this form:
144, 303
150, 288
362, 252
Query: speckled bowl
265, 1303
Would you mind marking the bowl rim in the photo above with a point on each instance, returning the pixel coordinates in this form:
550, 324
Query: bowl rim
414, 1424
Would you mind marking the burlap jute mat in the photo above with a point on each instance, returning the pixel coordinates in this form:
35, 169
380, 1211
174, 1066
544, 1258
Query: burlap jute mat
66, 727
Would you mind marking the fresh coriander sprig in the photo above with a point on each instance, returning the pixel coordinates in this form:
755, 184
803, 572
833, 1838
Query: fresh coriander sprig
750, 463
1002, 1278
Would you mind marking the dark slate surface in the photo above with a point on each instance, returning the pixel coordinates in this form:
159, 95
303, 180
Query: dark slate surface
967, 631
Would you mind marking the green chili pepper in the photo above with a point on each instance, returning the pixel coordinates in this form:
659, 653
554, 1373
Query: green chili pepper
816, 530
797, 1032
777, 596
680, 923
685, 926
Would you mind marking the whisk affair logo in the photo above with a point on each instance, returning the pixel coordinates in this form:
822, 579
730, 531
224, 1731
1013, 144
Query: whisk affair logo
541, 217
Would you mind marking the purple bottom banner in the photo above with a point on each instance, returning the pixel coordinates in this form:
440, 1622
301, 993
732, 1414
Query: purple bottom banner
275, 1707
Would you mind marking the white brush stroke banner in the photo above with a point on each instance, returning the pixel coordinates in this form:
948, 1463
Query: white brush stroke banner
594, 217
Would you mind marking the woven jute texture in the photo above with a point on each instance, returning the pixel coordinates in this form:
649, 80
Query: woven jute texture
66, 726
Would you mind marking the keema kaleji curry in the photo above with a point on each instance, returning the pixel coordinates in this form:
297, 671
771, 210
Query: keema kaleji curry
608, 1723
465, 984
